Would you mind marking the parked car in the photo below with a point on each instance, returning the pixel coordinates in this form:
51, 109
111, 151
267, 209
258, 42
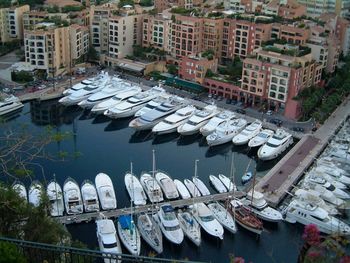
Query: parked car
233, 102
220, 98
228, 101
241, 111
215, 96
269, 112
210, 95
298, 129
239, 104
278, 122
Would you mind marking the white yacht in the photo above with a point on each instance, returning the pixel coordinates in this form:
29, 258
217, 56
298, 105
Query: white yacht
321, 182
72, 197
230, 186
338, 174
217, 184
108, 240
129, 235
192, 188
90, 197
275, 145
260, 139
105, 191
169, 224
130, 106
102, 107
21, 190
190, 227
55, 195
34, 193
173, 121
248, 133
150, 232
198, 120
102, 78
216, 121
223, 216
151, 118
167, 185
135, 190
152, 188
322, 178
184, 193
106, 93
226, 131
80, 95
259, 206
325, 194
10, 104
313, 197
153, 104
201, 186
306, 213
206, 219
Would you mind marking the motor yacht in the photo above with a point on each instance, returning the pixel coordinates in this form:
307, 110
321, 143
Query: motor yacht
105, 191
217, 184
169, 224
135, 190
100, 79
106, 93
275, 145
193, 190
55, 195
152, 188
325, 194
80, 95
230, 186
102, 107
258, 205
321, 182
10, 104
129, 235
153, 104
184, 193
190, 227
90, 197
244, 217
248, 133
198, 120
201, 186
72, 197
306, 213
337, 174
167, 185
322, 178
207, 220
108, 240
313, 197
173, 121
21, 190
130, 106
226, 131
260, 139
151, 118
216, 121
34, 193
223, 216
150, 232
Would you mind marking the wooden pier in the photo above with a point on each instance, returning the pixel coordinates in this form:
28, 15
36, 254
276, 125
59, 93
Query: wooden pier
86, 217
289, 170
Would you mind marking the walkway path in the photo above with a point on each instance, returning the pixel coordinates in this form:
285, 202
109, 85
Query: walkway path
294, 164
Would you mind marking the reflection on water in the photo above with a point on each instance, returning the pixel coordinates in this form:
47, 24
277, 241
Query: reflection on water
86, 115
141, 136
202, 142
100, 119
159, 139
222, 149
189, 139
10, 116
46, 112
116, 125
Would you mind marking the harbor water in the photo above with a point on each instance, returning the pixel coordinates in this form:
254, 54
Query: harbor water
98, 144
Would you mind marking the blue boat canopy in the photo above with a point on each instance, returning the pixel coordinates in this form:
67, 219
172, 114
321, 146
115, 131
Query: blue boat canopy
125, 221
167, 208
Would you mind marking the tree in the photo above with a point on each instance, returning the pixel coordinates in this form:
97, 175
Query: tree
10, 254
92, 55
172, 69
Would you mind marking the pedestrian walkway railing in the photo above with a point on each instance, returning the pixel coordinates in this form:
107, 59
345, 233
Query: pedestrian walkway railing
40, 253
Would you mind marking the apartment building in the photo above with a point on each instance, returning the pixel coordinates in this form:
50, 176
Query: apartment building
33, 17
241, 37
316, 8
156, 32
292, 33
4, 36
275, 77
99, 19
124, 33
289, 9
194, 68
79, 41
15, 21
212, 35
47, 47
235, 5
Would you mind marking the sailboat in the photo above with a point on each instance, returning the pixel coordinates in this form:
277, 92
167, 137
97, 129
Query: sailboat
55, 195
134, 187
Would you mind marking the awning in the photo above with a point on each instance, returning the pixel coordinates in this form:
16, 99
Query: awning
125, 221
132, 67
185, 84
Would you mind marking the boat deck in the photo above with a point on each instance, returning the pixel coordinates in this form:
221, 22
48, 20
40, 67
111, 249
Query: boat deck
86, 217
287, 172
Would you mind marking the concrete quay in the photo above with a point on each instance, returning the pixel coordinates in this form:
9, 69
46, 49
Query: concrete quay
289, 170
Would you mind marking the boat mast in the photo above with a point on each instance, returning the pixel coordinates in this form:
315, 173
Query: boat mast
195, 176
232, 180
132, 199
153, 175
54, 179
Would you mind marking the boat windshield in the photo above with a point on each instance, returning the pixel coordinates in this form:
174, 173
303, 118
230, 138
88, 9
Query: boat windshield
168, 122
111, 245
263, 135
272, 145
169, 216
171, 228
192, 123
89, 88
207, 218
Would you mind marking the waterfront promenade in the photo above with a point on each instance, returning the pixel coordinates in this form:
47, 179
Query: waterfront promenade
288, 171
86, 217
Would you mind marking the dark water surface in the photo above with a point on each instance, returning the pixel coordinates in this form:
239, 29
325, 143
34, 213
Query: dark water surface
109, 146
